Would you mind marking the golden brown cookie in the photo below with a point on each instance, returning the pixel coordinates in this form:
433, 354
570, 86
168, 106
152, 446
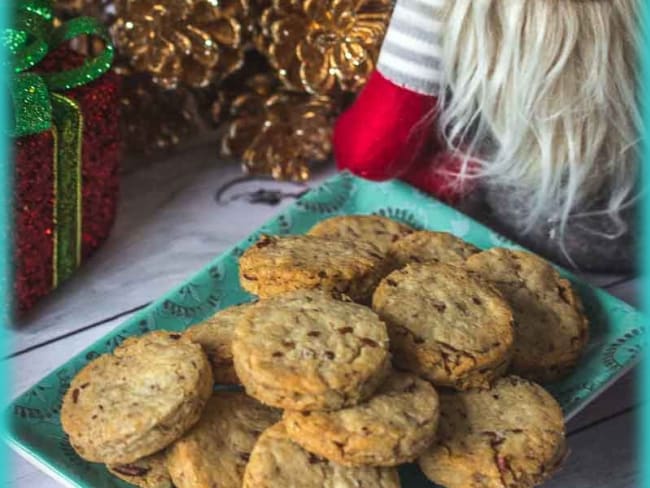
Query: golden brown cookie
445, 324
136, 401
215, 336
278, 462
509, 436
216, 450
551, 329
150, 472
375, 229
393, 427
425, 246
307, 351
276, 265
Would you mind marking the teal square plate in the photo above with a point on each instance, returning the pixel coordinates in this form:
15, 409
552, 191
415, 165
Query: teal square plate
617, 330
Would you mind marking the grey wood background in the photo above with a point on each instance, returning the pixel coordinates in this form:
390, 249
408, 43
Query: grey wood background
169, 225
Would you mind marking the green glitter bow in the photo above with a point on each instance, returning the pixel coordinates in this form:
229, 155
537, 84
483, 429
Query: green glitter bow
29, 42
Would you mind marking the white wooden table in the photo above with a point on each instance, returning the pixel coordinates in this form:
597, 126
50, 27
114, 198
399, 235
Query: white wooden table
169, 225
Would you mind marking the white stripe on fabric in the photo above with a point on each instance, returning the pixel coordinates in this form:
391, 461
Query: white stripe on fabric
414, 70
412, 50
426, 35
422, 7
436, 4
410, 55
409, 17
419, 46
417, 85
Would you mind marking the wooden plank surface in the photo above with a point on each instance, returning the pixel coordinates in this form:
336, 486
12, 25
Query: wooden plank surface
604, 456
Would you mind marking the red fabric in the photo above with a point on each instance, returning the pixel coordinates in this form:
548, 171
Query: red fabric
389, 133
436, 175
384, 131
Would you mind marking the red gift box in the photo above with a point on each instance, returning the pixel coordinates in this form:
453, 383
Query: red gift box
66, 182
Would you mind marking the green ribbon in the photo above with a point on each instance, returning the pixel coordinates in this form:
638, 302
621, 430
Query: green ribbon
68, 140
29, 42
39, 107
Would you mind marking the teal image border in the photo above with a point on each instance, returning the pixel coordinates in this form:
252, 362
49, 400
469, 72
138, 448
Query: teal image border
644, 248
6, 172
6, 9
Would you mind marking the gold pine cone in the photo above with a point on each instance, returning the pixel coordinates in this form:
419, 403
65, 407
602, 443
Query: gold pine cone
321, 46
280, 133
191, 41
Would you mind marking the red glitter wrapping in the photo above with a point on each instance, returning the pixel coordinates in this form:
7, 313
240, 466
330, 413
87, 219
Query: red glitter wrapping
34, 182
34, 199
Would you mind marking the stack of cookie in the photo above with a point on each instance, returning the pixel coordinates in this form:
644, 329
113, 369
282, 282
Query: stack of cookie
371, 345
480, 327
347, 415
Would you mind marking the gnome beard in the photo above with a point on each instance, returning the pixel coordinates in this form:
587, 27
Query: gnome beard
533, 101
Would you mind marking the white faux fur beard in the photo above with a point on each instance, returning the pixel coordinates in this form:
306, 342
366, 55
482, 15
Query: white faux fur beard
544, 94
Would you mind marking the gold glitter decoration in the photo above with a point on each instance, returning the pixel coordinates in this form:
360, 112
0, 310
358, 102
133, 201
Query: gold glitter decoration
321, 46
187, 71
278, 133
191, 41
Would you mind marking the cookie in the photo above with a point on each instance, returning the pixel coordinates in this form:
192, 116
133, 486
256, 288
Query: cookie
136, 401
307, 351
276, 265
216, 450
395, 426
425, 246
375, 229
445, 324
215, 336
510, 436
278, 462
551, 329
150, 472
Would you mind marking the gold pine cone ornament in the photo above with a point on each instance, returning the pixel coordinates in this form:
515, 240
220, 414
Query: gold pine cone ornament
279, 133
191, 41
323, 46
